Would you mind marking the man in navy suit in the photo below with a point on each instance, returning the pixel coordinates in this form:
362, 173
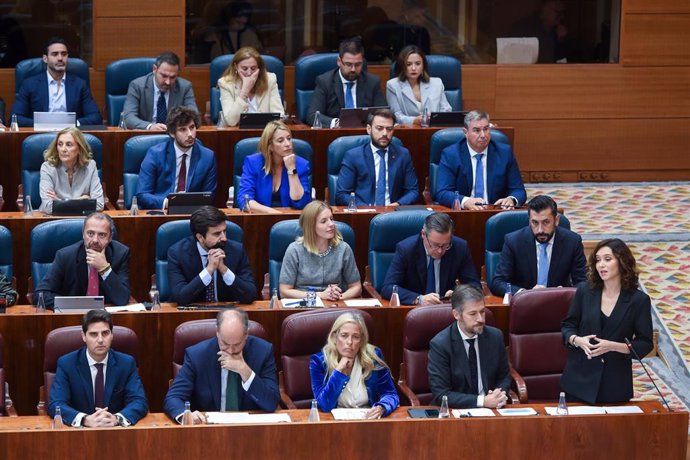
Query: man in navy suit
207, 267
97, 386
426, 267
181, 164
482, 171
56, 90
541, 254
467, 360
229, 372
379, 172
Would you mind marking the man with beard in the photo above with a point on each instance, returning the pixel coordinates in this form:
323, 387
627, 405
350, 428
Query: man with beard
207, 267
180, 164
467, 360
95, 266
348, 86
380, 173
541, 254
56, 90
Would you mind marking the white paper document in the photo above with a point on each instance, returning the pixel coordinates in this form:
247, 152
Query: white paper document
363, 303
478, 412
578, 410
623, 410
349, 414
517, 50
245, 417
517, 411
132, 307
295, 303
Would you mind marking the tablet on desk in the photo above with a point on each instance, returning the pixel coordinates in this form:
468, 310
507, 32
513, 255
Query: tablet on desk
257, 120
447, 118
188, 202
54, 121
75, 207
78, 304
356, 117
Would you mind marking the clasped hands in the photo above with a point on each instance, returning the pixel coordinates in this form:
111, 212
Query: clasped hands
332, 293
593, 346
434, 299
478, 203
495, 398
216, 261
101, 418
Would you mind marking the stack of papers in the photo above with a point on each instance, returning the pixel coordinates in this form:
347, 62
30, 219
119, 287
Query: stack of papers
130, 307
349, 414
517, 411
478, 412
363, 303
597, 410
245, 417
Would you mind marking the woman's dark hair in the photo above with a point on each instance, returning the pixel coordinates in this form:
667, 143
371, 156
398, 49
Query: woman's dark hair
626, 265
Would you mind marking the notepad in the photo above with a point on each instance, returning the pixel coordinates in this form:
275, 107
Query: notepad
349, 414
578, 410
363, 303
478, 412
245, 417
130, 307
623, 410
517, 411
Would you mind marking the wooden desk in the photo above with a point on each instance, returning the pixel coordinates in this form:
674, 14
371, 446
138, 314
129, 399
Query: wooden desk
655, 434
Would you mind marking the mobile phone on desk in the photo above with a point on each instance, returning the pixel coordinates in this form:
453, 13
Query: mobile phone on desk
416, 412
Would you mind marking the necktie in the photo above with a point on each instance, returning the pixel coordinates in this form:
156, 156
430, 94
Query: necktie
381, 180
349, 100
430, 277
182, 177
92, 288
161, 109
99, 386
211, 288
231, 396
543, 266
479, 178
474, 378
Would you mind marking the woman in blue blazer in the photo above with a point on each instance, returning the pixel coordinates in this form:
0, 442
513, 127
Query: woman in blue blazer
350, 372
274, 177
413, 89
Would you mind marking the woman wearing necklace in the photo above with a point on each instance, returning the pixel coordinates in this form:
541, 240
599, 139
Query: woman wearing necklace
606, 311
320, 259
69, 172
350, 372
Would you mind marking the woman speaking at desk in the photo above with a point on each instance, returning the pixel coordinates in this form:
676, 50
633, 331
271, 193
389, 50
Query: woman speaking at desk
350, 372
606, 311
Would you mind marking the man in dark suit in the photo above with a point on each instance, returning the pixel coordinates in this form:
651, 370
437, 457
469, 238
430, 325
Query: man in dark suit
379, 172
97, 386
426, 267
481, 171
181, 164
229, 372
541, 254
56, 90
467, 360
95, 266
348, 86
151, 97
207, 267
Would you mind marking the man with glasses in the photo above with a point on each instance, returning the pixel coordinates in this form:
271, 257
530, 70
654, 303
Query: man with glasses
426, 267
378, 172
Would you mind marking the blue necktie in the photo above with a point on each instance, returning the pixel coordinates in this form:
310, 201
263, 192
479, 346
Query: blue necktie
161, 109
479, 177
430, 277
349, 100
381, 180
543, 266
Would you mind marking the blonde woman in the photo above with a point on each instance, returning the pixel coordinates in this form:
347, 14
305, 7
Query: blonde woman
350, 372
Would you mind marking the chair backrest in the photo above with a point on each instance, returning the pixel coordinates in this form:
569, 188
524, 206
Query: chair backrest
536, 345
302, 335
192, 332
448, 69
47, 238
285, 232
134, 152
2, 378
385, 232
30, 67
307, 68
118, 75
496, 228
250, 145
218, 66
5, 255
442, 139
32, 158
170, 233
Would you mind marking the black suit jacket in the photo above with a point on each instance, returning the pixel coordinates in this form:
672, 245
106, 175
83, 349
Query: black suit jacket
449, 369
518, 264
184, 266
606, 378
68, 275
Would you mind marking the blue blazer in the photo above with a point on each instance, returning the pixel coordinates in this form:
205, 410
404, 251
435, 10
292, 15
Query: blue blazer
157, 174
327, 389
357, 174
72, 388
184, 266
455, 173
33, 97
518, 264
199, 379
409, 266
259, 185
403, 103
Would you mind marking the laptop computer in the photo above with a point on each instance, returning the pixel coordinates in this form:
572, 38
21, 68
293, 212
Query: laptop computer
257, 120
188, 202
78, 304
356, 117
447, 118
73, 207
54, 121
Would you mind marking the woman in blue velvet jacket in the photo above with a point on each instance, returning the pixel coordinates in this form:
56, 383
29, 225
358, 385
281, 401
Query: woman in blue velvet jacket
350, 372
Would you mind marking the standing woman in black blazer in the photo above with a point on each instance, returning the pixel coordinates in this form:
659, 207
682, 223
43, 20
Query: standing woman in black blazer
606, 310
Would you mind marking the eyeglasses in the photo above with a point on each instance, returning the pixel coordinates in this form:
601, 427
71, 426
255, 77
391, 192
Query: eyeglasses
352, 65
438, 247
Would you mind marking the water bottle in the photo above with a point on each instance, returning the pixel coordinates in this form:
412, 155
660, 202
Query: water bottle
245, 207
57, 419
562, 408
134, 209
395, 298
425, 117
14, 125
457, 202
187, 418
508, 295
314, 412
221, 122
40, 304
274, 303
155, 299
122, 124
352, 205
316, 124
311, 298
28, 208
231, 197
443, 412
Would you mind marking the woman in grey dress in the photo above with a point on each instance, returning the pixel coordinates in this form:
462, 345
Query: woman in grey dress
320, 259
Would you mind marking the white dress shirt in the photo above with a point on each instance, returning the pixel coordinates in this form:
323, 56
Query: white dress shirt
57, 101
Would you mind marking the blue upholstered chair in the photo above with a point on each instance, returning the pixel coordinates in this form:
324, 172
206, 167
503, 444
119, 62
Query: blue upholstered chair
307, 68
218, 66
170, 233
496, 228
134, 152
46, 239
118, 75
5, 254
30, 67
448, 69
32, 158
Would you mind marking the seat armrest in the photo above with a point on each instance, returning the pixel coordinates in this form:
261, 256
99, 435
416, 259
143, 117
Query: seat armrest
405, 390
519, 385
266, 288
42, 406
369, 288
426, 194
121, 197
285, 400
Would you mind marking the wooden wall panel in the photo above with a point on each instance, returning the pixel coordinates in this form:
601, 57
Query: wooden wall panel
656, 6
137, 8
656, 40
479, 87
7, 91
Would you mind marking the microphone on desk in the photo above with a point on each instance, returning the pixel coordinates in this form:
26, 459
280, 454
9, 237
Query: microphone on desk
637, 357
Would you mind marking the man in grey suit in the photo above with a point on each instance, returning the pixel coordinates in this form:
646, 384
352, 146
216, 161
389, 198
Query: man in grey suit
348, 86
150, 98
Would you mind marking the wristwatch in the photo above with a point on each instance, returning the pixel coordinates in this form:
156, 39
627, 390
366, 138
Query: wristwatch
292, 172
